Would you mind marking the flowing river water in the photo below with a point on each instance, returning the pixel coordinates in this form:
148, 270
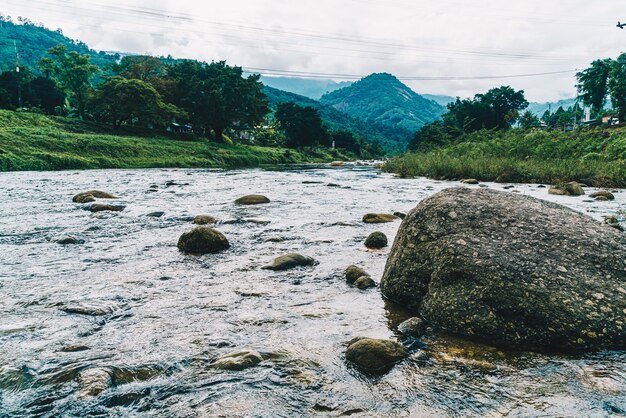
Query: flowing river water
128, 302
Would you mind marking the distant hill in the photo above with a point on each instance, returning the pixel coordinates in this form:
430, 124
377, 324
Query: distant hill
313, 89
443, 100
385, 100
34, 40
392, 140
539, 109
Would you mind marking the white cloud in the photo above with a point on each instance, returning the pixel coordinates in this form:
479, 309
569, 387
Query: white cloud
403, 37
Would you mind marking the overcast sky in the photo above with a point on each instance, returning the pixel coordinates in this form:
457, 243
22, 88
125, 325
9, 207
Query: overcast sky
419, 38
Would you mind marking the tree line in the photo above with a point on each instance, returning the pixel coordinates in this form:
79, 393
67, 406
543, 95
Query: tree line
144, 91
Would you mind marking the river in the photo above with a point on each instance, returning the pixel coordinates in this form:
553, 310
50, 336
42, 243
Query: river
163, 317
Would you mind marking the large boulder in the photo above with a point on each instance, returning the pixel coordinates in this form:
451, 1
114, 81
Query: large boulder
91, 196
202, 240
511, 270
375, 356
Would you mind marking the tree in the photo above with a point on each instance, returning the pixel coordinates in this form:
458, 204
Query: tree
140, 67
604, 78
302, 125
217, 97
73, 72
497, 109
345, 139
528, 120
592, 84
119, 100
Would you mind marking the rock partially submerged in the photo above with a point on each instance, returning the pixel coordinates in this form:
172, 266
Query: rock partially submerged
93, 382
289, 261
203, 240
569, 189
238, 360
70, 241
511, 270
365, 282
204, 220
602, 195
99, 207
91, 196
353, 273
378, 218
375, 356
253, 199
376, 240
413, 327
469, 181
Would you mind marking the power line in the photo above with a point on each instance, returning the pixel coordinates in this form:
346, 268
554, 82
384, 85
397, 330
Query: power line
304, 74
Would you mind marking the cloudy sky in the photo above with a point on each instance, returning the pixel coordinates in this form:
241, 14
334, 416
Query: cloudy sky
429, 43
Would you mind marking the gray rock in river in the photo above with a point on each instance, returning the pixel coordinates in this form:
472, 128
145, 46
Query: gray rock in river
238, 360
91, 196
378, 218
93, 382
70, 241
376, 240
99, 207
204, 220
203, 240
289, 261
569, 189
511, 270
353, 273
375, 356
365, 282
253, 199
413, 327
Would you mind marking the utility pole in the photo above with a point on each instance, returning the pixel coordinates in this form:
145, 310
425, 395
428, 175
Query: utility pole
17, 71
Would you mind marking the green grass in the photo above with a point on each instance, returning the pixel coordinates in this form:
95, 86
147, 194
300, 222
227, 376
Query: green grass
36, 142
595, 157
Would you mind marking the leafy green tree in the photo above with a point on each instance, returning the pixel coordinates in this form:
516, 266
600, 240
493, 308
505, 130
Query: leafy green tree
73, 72
217, 97
345, 139
593, 84
429, 136
121, 101
528, 120
497, 109
302, 125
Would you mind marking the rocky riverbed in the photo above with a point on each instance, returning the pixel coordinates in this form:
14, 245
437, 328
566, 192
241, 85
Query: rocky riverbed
102, 314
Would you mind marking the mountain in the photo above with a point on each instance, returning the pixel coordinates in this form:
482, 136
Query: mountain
383, 99
313, 89
391, 139
539, 109
33, 41
443, 100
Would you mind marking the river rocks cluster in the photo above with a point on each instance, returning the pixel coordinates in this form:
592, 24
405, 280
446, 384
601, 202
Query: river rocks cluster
602, 195
511, 270
568, 189
91, 196
358, 277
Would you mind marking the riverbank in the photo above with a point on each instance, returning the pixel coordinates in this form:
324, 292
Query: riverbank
594, 157
32, 142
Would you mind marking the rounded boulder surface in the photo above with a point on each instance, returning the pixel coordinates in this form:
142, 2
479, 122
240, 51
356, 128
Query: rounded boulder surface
202, 240
469, 181
93, 382
253, 199
602, 195
204, 220
289, 261
353, 273
91, 196
365, 282
375, 356
413, 327
376, 240
378, 218
70, 241
511, 270
238, 360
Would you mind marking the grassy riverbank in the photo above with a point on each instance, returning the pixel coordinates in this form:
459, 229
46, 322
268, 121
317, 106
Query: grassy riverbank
36, 142
595, 157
